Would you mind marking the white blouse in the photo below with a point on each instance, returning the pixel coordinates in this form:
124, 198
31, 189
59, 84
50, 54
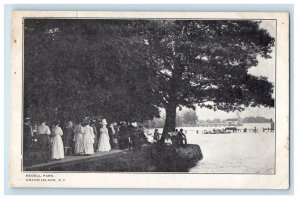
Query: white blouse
43, 129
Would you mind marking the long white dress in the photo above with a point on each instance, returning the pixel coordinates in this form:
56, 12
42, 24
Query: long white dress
57, 146
103, 144
88, 139
78, 138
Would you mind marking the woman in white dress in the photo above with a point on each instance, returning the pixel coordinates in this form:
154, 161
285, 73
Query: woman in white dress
78, 139
57, 145
88, 138
103, 144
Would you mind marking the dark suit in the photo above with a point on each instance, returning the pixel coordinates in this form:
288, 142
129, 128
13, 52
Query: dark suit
27, 137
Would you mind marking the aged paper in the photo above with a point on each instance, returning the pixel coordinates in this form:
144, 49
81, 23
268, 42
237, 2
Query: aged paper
261, 171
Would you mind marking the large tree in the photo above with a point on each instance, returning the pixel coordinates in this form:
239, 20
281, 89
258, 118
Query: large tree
125, 69
206, 63
77, 68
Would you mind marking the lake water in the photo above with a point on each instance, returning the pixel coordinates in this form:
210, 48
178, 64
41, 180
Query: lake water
233, 152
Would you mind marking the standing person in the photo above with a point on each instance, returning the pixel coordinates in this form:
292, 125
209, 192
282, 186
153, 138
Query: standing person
57, 146
27, 141
139, 138
131, 130
272, 124
27, 136
181, 137
111, 133
68, 137
43, 140
115, 135
103, 144
123, 136
78, 139
96, 134
88, 137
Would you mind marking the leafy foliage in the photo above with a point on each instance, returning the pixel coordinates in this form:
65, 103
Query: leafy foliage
125, 69
208, 61
73, 68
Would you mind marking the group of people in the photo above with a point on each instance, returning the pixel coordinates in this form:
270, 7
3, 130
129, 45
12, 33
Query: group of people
84, 138
87, 140
131, 137
48, 143
175, 138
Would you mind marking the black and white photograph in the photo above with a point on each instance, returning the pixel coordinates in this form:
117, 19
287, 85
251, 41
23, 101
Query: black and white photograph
149, 95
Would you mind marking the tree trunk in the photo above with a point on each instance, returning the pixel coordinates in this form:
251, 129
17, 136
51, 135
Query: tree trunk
170, 121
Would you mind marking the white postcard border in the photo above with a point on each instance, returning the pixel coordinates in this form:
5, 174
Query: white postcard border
129, 180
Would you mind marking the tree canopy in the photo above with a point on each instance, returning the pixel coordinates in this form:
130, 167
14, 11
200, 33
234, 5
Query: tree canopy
206, 63
126, 69
75, 68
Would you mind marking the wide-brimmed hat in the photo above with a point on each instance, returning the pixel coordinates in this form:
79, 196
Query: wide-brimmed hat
104, 122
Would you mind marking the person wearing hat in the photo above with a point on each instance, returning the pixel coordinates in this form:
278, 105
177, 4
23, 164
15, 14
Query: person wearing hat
103, 143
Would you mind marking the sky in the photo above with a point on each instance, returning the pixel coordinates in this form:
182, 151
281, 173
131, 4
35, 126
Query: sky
265, 67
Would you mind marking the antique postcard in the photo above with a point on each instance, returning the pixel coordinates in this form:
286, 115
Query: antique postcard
149, 100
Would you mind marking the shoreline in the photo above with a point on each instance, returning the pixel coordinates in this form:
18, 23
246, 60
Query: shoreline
150, 159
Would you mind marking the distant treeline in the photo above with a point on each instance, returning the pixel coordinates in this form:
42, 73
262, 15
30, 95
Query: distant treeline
189, 118
183, 118
255, 120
